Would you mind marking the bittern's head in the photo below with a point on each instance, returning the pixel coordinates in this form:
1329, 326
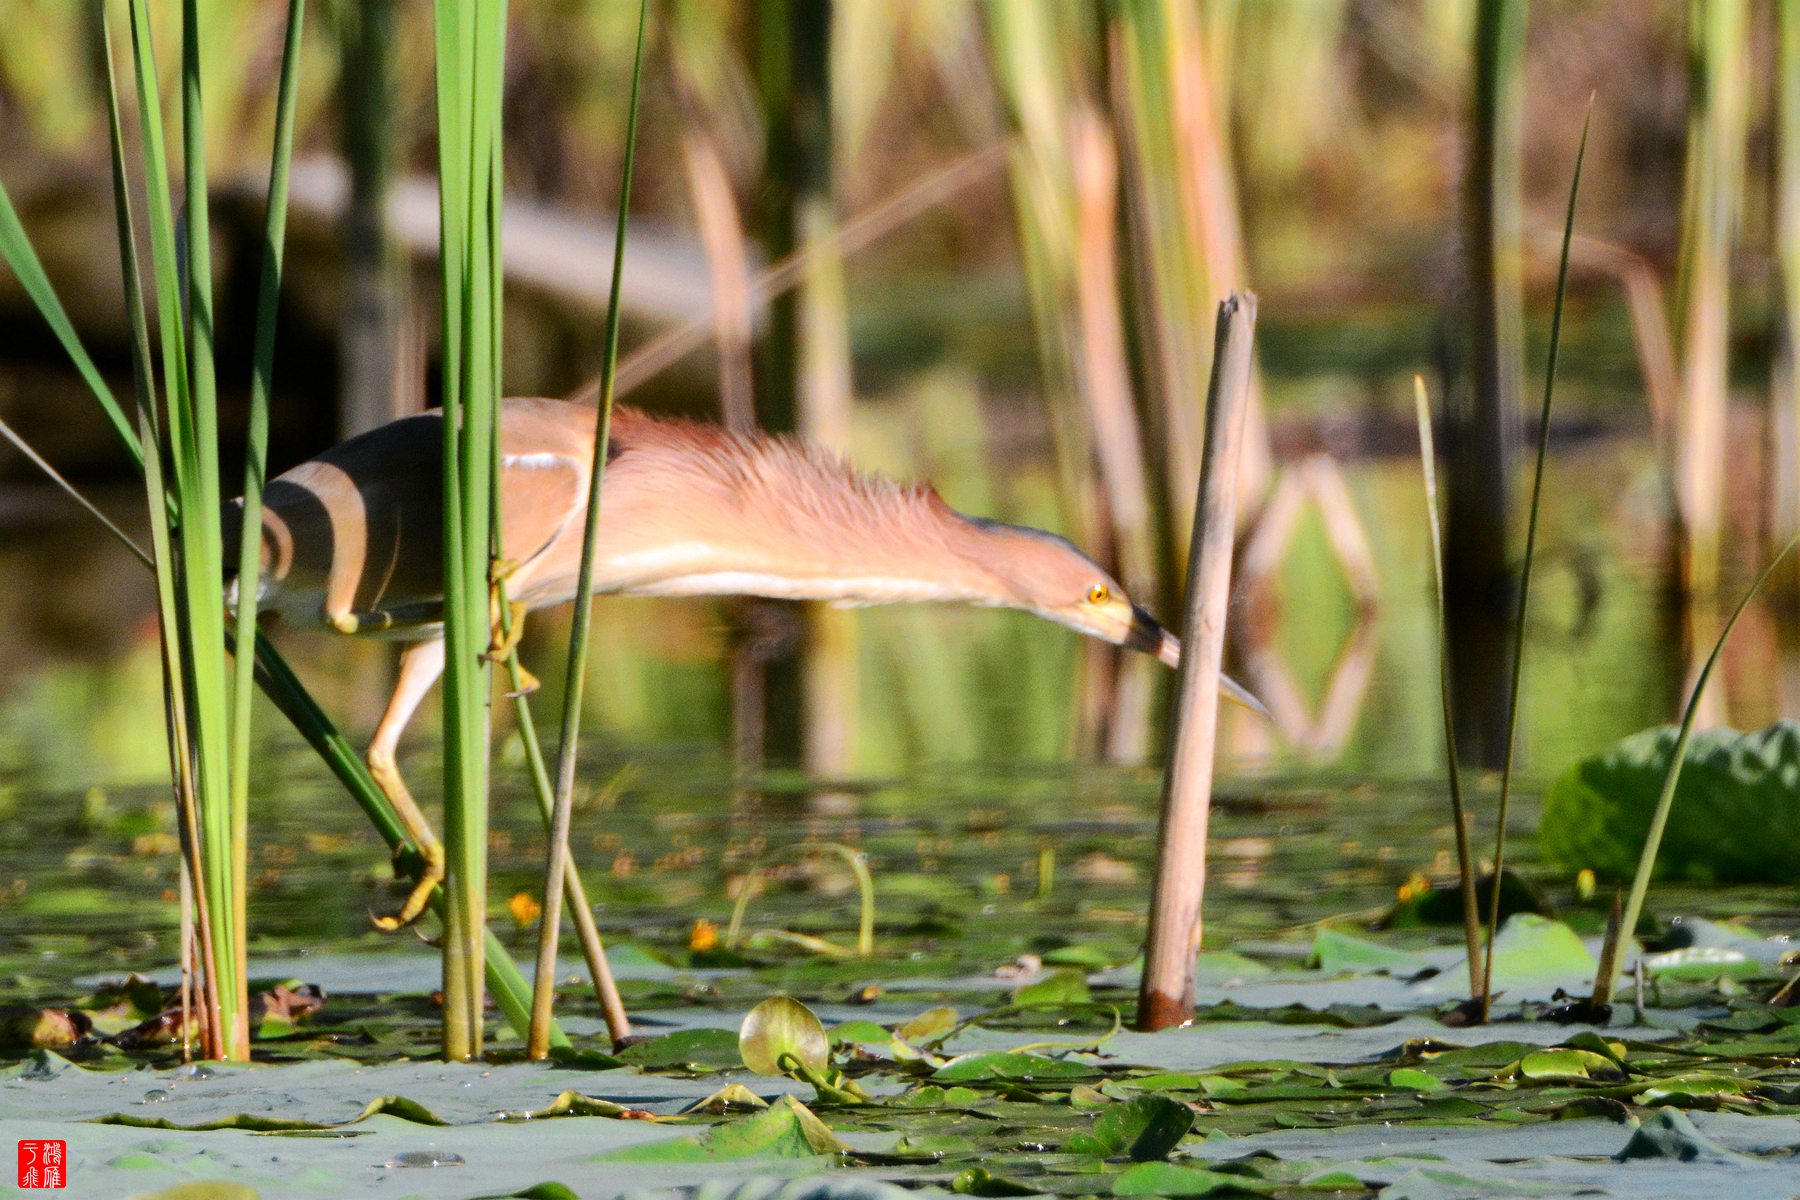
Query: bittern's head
1047, 575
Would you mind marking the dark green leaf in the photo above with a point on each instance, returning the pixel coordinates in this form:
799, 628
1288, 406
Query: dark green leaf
1736, 814
1143, 1130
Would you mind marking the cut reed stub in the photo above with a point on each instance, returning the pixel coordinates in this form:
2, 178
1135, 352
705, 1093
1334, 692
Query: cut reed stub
1166, 992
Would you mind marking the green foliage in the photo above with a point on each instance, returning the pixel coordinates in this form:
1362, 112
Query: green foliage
781, 1034
787, 1129
1177, 1179
470, 57
1525, 568
695, 1050
1736, 814
1334, 951
1143, 1130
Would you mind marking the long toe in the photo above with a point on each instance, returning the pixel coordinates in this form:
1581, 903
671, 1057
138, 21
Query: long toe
420, 896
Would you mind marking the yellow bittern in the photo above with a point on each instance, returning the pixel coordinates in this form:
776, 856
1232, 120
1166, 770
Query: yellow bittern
353, 541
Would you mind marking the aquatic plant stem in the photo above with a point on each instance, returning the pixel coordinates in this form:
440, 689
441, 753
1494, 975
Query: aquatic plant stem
1482, 455
273, 674
1531, 532
1465, 865
470, 40
550, 927
593, 948
1166, 991
256, 454
1665, 800
37, 460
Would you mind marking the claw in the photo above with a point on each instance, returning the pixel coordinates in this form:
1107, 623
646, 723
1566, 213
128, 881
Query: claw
430, 876
528, 683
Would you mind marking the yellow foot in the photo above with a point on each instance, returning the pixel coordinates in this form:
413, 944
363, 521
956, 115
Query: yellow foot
528, 683
505, 636
420, 896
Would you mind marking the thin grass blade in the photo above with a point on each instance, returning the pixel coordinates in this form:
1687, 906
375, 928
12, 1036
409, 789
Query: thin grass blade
256, 451
1531, 532
16, 249
1665, 800
543, 986
1465, 866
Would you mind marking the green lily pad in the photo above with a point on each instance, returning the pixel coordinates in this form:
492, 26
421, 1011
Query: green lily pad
1683, 1089
928, 1026
1058, 990
1143, 1130
787, 1129
201, 1189
1414, 1080
1562, 1063
381, 1106
1174, 1179
781, 1029
1736, 814
1012, 1066
687, 1049
1335, 952
1704, 962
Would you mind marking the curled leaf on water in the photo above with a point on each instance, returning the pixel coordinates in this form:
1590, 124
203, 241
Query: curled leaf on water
733, 1097
782, 1029
932, 1025
1562, 1064
23, 1027
1144, 1130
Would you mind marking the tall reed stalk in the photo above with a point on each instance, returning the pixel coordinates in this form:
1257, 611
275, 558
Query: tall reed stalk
1477, 558
1531, 532
145, 429
178, 433
1035, 49
550, 927
1714, 197
1182, 217
804, 380
1166, 989
471, 49
373, 316
1784, 449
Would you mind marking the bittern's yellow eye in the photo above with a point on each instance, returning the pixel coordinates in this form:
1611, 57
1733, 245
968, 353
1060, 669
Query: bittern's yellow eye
1099, 594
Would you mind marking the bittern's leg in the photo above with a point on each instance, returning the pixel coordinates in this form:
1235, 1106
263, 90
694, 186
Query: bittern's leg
420, 667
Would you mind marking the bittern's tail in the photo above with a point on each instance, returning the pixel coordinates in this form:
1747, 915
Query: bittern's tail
1231, 689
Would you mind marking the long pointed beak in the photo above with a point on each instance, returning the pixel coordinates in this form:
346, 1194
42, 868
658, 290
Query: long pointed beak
1148, 635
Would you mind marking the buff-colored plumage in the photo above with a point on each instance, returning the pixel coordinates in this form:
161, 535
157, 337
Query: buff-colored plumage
353, 541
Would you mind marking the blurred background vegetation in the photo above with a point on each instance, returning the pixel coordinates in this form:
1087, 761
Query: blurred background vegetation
1081, 181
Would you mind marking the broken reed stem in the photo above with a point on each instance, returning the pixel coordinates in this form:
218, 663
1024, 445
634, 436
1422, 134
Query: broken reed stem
187, 962
1465, 864
1166, 994
1609, 956
728, 270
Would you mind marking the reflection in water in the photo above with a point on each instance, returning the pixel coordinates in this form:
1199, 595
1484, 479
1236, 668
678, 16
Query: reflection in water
1322, 735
